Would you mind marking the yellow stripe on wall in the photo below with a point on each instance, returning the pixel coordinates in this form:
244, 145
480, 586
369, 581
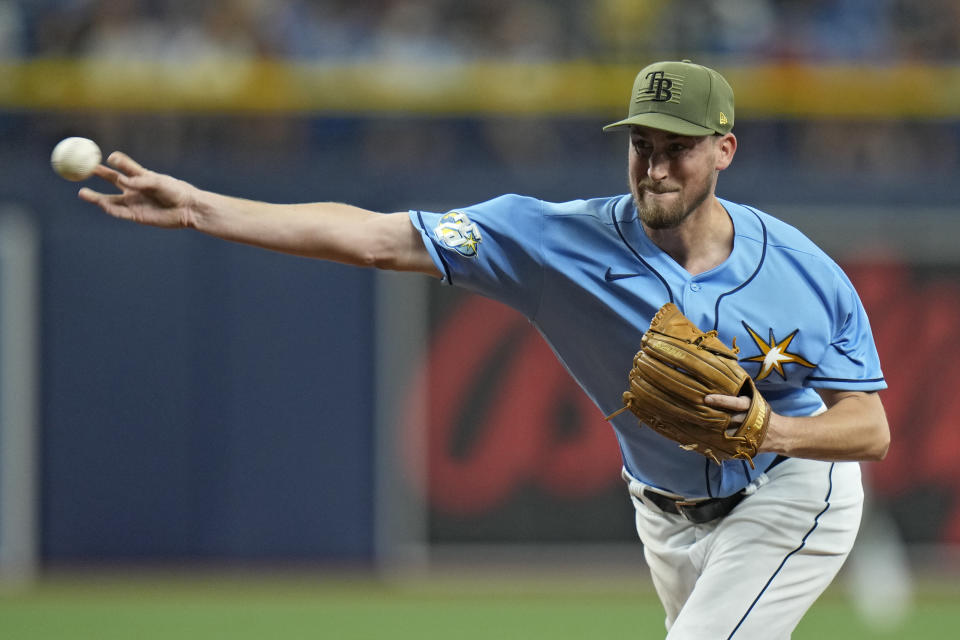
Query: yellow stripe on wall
763, 91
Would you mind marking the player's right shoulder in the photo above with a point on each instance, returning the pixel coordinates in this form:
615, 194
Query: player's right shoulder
514, 209
507, 204
600, 208
604, 209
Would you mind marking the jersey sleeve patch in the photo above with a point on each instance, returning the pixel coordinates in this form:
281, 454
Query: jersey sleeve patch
456, 232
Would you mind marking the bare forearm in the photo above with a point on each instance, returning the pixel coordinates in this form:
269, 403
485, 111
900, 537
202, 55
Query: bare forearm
854, 428
326, 230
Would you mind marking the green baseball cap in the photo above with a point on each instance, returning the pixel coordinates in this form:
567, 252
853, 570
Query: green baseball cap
680, 97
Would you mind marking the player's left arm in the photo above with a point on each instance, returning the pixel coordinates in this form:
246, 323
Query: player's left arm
854, 427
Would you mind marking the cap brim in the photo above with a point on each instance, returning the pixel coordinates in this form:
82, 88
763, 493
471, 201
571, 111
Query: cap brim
664, 122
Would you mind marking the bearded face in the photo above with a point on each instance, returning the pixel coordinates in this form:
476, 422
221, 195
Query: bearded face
670, 175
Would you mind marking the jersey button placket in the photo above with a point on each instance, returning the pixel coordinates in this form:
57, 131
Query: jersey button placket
691, 296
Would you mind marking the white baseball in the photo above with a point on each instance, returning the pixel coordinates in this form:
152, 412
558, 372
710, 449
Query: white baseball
75, 158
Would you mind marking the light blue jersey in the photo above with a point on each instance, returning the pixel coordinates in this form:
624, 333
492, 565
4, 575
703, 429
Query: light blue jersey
588, 278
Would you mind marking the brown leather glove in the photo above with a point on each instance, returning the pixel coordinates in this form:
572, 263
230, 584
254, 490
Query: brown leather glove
677, 365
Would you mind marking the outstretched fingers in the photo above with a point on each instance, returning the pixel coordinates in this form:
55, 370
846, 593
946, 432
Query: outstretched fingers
108, 174
125, 164
111, 203
131, 177
145, 197
93, 197
123, 173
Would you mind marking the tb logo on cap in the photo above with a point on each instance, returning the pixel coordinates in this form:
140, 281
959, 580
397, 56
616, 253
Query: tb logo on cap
662, 92
660, 89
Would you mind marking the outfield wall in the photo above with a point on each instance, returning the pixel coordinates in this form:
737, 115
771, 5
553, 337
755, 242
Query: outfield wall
201, 400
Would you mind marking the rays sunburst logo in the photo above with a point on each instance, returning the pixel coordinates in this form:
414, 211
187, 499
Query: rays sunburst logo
774, 354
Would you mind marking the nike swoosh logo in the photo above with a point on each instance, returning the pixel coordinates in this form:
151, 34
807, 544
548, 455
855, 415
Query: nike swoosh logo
610, 276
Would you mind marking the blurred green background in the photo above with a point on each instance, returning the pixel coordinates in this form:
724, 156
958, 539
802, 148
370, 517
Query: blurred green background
151, 605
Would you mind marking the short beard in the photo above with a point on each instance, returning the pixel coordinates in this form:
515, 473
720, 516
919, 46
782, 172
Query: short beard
659, 218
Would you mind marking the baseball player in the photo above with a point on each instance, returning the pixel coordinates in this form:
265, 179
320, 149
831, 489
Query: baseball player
739, 549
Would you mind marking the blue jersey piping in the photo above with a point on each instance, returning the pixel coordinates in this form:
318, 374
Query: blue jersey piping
706, 476
763, 256
803, 542
663, 281
716, 323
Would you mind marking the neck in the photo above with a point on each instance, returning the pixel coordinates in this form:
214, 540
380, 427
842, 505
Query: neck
702, 241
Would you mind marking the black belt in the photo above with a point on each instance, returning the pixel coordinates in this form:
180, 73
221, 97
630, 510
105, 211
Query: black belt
696, 512
701, 511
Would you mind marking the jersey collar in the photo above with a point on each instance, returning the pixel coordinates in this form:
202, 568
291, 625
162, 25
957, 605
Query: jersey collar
749, 246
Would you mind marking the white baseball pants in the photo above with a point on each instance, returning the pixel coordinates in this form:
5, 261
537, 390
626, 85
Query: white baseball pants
752, 574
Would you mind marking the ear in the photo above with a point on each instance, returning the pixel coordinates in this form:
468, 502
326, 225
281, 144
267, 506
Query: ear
726, 146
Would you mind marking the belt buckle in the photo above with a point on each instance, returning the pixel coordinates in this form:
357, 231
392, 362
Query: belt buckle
686, 509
